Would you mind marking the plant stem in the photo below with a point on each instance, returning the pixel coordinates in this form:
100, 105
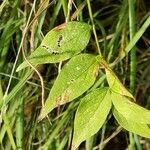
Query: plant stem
20, 125
137, 36
93, 26
69, 9
64, 5
55, 13
132, 28
9, 131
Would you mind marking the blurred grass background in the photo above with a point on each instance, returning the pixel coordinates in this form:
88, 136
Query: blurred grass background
23, 24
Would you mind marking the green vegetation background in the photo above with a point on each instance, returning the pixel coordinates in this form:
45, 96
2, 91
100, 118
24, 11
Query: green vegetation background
23, 25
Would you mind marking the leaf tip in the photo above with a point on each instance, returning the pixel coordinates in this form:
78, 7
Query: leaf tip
46, 109
18, 69
42, 115
21, 66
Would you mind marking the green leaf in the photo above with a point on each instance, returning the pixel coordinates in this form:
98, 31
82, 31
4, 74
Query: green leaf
76, 77
115, 84
130, 110
60, 43
113, 81
138, 128
91, 115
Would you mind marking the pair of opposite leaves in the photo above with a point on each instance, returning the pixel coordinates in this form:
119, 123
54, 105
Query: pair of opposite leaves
61, 43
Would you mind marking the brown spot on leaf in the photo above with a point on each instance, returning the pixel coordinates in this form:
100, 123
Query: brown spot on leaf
60, 27
96, 72
64, 98
58, 101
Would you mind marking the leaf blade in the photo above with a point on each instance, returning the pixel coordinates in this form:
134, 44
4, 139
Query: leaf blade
130, 110
76, 77
44, 58
115, 83
137, 128
90, 115
61, 43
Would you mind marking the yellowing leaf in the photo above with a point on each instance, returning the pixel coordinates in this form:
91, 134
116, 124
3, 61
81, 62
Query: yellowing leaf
76, 77
91, 115
130, 125
130, 110
115, 84
60, 43
112, 79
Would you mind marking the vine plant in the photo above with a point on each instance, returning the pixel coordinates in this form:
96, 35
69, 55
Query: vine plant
77, 76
